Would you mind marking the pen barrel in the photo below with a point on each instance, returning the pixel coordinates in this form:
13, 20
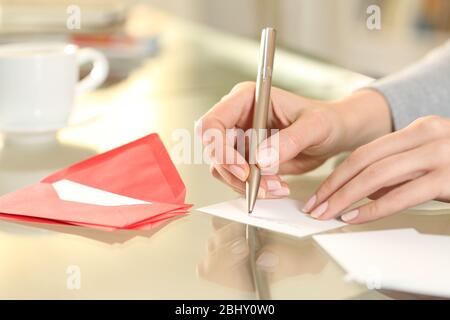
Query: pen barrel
262, 92
260, 113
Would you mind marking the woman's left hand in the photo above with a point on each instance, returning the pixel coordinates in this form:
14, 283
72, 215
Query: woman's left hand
399, 171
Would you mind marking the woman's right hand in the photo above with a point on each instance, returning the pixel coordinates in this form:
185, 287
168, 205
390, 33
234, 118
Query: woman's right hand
310, 131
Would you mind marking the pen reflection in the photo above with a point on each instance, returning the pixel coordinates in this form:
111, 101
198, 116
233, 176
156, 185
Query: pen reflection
227, 258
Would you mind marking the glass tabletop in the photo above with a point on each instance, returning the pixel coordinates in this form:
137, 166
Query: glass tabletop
195, 256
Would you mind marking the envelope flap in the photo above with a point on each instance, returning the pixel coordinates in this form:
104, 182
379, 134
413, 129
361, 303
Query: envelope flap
141, 169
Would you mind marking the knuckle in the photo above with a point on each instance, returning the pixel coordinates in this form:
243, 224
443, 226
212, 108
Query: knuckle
299, 167
432, 119
432, 125
242, 86
354, 159
373, 170
288, 140
442, 149
207, 124
320, 117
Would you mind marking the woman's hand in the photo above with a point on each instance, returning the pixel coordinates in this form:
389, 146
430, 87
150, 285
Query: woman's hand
399, 171
310, 132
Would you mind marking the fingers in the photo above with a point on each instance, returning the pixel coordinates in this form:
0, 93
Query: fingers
237, 166
276, 188
216, 129
309, 129
417, 134
300, 164
277, 192
220, 173
384, 173
302, 128
382, 177
226, 149
379, 193
235, 163
231, 111
271, 187
405, 196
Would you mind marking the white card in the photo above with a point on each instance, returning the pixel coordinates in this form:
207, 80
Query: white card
77, 192
401, 259
280, 215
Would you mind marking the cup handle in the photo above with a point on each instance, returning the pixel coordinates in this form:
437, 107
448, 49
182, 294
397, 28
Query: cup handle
98, 73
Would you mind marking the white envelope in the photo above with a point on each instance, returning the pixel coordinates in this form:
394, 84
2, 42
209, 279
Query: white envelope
280, 215
401, 259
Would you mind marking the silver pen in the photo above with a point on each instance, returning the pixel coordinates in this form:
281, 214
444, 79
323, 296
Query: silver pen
260, 112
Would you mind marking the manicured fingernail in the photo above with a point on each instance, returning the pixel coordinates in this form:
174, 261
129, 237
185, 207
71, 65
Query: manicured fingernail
261, 193
350, 215
267, 157
239, 247
283, 192
320, 210
267, 260
310, 203
238, 172
273, 185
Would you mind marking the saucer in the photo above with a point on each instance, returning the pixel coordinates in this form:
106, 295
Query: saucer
30, 138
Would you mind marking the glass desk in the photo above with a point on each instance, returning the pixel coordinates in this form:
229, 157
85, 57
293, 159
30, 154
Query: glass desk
196, 256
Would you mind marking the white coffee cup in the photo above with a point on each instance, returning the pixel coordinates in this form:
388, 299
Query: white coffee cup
38, 83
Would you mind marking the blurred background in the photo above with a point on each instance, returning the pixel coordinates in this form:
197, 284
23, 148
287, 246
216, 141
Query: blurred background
170, 61
332, 30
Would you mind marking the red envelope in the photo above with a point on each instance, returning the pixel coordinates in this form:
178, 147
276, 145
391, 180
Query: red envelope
140, 170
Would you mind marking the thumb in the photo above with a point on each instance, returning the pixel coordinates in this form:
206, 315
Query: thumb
308, 130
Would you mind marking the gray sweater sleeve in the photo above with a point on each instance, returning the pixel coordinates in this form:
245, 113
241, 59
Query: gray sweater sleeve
419, 90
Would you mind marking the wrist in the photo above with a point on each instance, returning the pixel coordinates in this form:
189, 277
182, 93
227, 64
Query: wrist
365, 116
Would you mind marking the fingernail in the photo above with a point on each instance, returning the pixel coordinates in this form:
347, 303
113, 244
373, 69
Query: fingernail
239, 247
320, 210
273, 185
350, 215
284, 191
267, 260
261, 193
267, 157
238, 172
310, 203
